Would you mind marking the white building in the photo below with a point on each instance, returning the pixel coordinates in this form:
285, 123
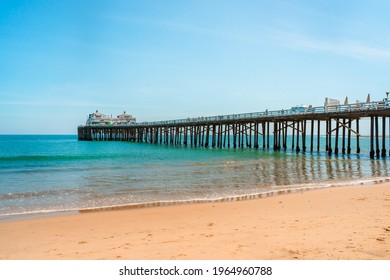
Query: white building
98, 118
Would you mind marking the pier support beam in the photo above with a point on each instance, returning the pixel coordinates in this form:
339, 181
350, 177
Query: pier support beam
383, 136
228, 133
357, 137
285, 135
275, 136
372, 152
256, 136
207, 136
304, 136
330, 137
293, 136
336, 148
279, 133
377, 136
349, 136
318, 135
263, 127
298, 149
327, 136
267, 135
343, 138
311, 135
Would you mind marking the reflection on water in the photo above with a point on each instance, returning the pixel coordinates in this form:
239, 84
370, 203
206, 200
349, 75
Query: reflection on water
305, 169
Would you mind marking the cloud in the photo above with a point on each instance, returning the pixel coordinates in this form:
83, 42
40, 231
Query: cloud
293, 39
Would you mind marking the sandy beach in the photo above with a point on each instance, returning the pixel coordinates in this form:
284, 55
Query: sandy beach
334, 223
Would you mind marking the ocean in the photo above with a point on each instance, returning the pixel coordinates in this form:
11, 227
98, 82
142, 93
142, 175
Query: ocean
54, 174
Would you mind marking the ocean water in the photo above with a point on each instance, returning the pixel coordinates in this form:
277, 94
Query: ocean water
53, 174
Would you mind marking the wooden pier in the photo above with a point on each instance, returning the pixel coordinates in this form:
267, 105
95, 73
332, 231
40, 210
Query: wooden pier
253, 130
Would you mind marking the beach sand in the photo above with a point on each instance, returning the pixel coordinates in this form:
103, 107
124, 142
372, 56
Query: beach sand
334, 223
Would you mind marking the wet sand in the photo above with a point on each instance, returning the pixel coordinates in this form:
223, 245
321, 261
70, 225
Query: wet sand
335, 223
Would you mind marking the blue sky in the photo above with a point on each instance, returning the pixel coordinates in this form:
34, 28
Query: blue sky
161, 60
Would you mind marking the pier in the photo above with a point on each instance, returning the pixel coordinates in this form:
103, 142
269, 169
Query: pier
254, 130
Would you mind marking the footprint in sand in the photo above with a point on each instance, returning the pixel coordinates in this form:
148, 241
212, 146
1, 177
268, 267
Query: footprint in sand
380, 239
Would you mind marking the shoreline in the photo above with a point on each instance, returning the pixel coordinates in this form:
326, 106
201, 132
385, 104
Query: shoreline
282, 190
349, 222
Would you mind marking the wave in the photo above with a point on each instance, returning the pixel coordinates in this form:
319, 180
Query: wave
44, 193
229, 198
249, 196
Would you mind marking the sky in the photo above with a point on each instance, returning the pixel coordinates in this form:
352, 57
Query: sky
165, 60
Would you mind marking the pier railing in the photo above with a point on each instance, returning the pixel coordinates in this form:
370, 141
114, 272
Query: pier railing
277, 113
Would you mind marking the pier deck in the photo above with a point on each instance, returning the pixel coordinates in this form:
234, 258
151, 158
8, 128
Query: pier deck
253, 130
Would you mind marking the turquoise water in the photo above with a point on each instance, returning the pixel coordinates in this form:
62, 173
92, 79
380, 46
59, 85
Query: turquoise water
45, 174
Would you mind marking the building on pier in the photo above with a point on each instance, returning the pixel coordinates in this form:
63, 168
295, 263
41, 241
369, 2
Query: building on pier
99, 119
